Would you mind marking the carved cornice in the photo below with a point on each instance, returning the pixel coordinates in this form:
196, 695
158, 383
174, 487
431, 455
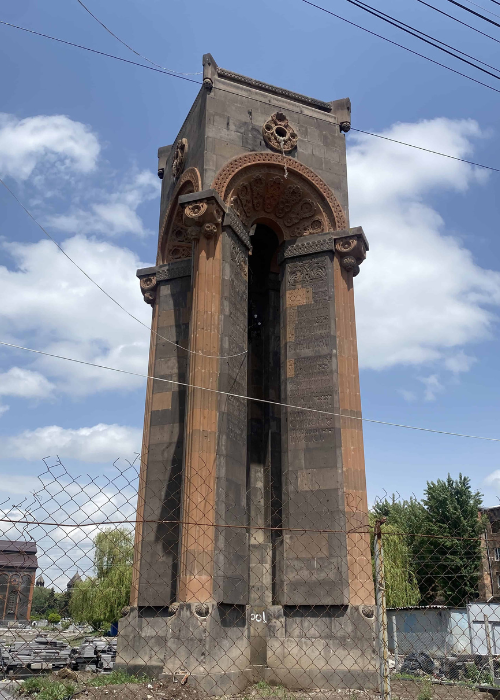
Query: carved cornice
150, 277
223, 179
349, 245
307, 245
234, 222
266, 87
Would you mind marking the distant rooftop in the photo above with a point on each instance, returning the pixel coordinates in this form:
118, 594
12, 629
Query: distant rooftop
18, 554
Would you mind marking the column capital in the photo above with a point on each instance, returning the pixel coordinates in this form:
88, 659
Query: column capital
349, 244
149, 277
203, 213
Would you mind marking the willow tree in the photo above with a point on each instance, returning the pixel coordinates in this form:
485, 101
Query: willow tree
99, 599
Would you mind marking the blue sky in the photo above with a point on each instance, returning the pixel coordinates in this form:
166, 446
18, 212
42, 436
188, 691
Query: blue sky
78, 141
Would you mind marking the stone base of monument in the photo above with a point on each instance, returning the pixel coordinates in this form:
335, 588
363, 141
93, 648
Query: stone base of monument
308, 647
206, 642
321, 647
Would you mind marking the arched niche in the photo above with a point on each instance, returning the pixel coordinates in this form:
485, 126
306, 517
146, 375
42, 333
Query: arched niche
293, 206
174, 243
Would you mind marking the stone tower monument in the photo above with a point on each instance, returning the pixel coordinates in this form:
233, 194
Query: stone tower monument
248, 562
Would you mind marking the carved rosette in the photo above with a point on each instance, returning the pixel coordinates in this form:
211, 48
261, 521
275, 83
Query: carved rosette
351, 251
181, 149
279, 134
203, 218
148, 288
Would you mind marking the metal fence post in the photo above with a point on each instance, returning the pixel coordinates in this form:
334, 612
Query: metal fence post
491, 663
383, 637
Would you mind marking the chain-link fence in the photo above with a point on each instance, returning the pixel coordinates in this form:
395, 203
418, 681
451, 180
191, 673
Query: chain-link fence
99, 598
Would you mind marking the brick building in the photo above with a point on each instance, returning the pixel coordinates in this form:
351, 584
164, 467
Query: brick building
18, 565
489, 589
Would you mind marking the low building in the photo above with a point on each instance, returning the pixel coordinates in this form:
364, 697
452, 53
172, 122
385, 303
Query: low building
489, 586
18, 565
435, 629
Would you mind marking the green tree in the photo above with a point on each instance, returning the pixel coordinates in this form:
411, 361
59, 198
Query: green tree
98, 600
54, 618
44, 599
401, 584
451, 556
438, 551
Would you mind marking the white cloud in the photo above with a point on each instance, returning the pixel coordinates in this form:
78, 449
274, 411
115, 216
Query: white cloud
116, 214
53, 307
409, 396
493, 481
459, 363
420, 296
56, 140
432, 386
99, 443
3, 409
25, 384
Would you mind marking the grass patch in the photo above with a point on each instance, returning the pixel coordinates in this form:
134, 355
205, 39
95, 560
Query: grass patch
426, 690
44, 688
115, 678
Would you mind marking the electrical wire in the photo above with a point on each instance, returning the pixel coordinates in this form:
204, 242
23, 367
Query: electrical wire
251, 398
408, 29
482, 8
144, 58
401, 46
427, 150
197, 82
458, 20
294, 111
193, 352
473, 12
434, 39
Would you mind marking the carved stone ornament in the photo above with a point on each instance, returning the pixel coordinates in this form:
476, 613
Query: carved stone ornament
203, 218
181, 150
174, 242
279, 134
255, 187
351, 251
148, 289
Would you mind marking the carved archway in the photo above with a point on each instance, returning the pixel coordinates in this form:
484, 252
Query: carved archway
173, 243
300, 204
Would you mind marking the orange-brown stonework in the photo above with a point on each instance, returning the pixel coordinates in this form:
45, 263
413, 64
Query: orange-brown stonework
297, 205
174, 242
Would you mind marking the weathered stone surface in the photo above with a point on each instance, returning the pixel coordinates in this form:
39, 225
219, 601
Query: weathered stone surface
252, 295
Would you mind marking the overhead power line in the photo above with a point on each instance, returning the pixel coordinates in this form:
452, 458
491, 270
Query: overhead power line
458, 20
193, 352
408, 29
473, 12
232, 92
144, 58
251, 398
427, 150
401, 46
483, 8
382, 15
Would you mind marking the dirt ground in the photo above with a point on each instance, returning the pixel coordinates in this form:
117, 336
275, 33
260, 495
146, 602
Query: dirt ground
401, 690
166, 690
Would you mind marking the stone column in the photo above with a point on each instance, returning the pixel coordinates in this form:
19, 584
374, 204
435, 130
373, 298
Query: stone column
312, 564
350, 252
203, 215
214, 560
